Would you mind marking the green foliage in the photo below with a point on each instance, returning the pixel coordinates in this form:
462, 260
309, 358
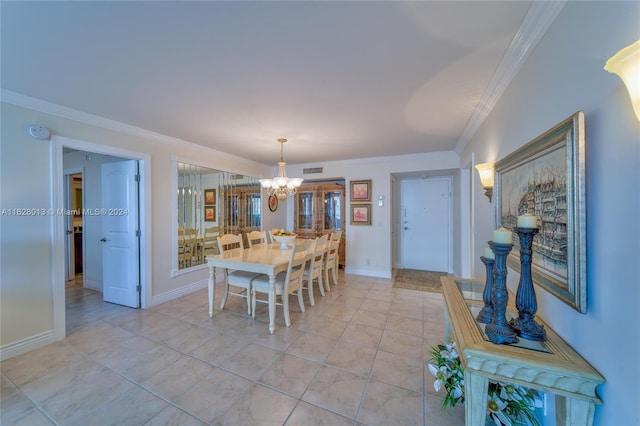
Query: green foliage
507, 404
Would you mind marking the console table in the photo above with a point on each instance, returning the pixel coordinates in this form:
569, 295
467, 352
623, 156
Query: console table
551, 366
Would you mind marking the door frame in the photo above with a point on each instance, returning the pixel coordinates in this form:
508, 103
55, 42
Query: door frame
58, 222
397, 216
69, 244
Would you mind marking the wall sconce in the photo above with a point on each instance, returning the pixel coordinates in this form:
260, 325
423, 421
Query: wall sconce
485, 170
626, 63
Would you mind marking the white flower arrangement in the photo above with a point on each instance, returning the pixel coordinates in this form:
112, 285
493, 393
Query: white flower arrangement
507, 404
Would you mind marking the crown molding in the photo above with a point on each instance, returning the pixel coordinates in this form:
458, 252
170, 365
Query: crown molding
536, 22
39, 105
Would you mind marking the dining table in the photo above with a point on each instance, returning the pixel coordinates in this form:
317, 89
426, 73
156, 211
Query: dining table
266, 258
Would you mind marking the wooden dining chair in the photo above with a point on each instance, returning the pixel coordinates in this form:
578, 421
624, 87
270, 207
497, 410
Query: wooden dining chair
241, 279
256, 237
314, 272
287, 283
331, 259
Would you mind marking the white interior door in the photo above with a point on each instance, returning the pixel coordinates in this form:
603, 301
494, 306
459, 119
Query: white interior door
120, 239
425, 224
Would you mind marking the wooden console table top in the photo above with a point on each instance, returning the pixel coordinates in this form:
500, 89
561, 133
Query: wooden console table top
551, 366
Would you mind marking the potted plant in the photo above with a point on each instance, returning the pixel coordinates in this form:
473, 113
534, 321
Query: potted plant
507, 404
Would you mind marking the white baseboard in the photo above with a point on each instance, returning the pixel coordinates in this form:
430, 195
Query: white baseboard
93, 285
179, 292
25, 345
368, 273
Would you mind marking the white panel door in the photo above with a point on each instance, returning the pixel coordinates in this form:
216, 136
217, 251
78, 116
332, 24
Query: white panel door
425, 224
120, 242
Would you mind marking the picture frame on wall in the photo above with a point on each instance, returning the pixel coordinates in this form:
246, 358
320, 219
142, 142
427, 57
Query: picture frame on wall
546, 178
360, 190
209, 213
361, 214
209, 196
273, 203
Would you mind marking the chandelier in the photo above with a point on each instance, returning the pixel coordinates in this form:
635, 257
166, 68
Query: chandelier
281, 186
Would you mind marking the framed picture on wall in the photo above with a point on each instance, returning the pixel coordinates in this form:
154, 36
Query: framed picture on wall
273, 203
361, 214
209, 196
546, 178
361, 190
209, 213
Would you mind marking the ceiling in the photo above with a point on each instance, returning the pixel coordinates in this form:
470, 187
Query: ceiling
340, 80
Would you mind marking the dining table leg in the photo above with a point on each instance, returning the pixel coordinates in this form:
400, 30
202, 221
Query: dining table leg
212, 289
272, 303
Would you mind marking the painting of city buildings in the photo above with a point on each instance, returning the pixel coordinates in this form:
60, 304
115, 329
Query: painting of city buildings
539, 187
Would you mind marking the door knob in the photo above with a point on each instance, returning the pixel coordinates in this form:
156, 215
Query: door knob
406, 228
69, 232
103, 239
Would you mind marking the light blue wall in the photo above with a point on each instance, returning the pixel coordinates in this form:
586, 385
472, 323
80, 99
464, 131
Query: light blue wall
565, 74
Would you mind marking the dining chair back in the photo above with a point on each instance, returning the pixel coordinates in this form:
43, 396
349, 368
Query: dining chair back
256, 237
314, 271
331, 258
286, 283
241, 279
210, 242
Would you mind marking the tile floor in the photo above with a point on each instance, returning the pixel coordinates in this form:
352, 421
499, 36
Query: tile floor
355, 358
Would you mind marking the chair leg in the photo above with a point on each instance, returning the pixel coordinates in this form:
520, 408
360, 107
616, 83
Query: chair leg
285, 308
253, 303
334, 272
326, 281
300, 299
310, 289
224, 295
248, 293
320, 284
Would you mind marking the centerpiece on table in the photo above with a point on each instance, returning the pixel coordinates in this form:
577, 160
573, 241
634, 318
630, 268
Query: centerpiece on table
284, 237
507, 404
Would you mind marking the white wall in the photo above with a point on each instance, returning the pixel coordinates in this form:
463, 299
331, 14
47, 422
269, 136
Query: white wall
26, 292
565, 74
369, 247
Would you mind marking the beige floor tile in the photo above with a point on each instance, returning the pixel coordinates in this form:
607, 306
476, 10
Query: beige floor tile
135, 407
177, 378
363, 335
372, 338
435, 416
355, 358
32, 418
372, 318
79, 396
27, 367
212, 397
385, 404
312, 347
13, 403
189, 339
172, 416
336, 390
403, 324
260, 406
402, 344
290, 374
309, 415
398, 370
251, 361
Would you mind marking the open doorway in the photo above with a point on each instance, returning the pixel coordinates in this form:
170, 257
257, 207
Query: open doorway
89, 181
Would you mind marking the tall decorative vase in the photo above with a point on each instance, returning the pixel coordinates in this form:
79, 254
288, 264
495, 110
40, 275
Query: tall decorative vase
486, 314
499, 330
525, 325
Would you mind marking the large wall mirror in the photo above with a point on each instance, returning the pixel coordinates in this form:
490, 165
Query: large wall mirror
211, 203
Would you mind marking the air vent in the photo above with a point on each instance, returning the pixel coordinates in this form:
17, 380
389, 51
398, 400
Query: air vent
237, 177
312, 170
